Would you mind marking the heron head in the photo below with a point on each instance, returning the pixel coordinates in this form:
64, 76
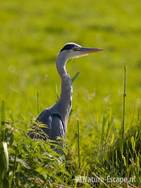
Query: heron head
73, 50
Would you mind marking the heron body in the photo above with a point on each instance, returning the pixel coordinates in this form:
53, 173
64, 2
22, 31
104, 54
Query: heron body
56, 117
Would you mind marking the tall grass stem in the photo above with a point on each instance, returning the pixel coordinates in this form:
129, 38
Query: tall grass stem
2, 121
37, 102
124, 101
75, 76
78, 144
2, 112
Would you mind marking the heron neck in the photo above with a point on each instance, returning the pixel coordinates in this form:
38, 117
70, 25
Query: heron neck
64, 103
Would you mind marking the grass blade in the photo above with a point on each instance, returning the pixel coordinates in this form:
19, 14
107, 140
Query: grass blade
124, 102
78, 144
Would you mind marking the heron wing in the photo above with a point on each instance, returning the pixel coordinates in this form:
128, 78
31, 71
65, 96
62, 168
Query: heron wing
45, 118
55, 125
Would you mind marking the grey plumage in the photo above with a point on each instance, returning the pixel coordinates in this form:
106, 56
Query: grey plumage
55, 118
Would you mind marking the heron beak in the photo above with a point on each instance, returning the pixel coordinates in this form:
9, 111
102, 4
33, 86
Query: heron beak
89, 50
85, 51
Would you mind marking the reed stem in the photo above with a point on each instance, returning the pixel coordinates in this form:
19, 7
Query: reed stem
124, 102
78, 143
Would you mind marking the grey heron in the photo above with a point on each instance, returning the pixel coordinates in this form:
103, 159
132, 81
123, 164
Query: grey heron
56, 117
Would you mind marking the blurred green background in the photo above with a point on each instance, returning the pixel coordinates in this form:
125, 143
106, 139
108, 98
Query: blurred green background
31, 35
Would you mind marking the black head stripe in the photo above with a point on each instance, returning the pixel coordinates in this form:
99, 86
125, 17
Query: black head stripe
68, 47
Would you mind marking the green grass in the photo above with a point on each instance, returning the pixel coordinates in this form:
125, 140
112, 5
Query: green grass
31, 34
